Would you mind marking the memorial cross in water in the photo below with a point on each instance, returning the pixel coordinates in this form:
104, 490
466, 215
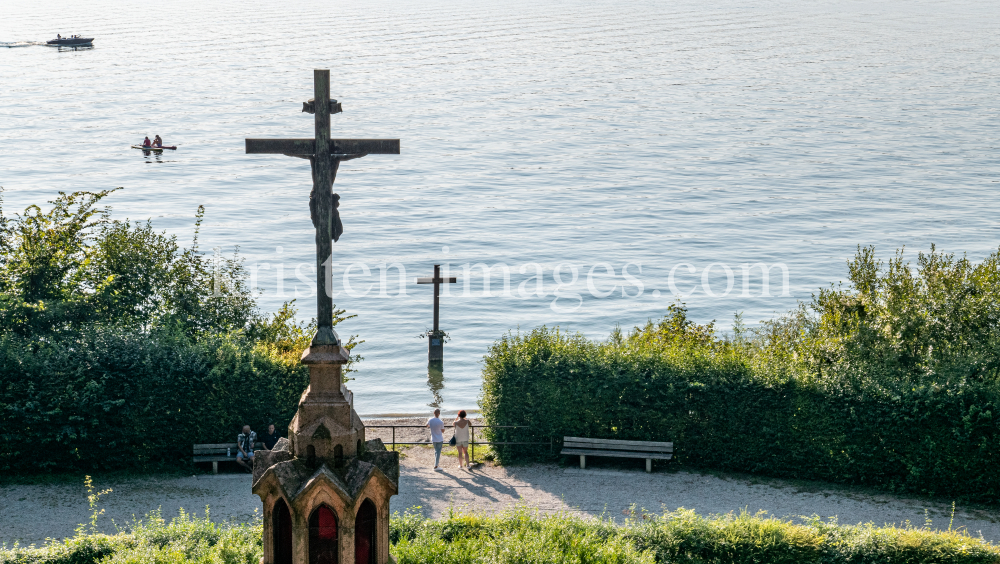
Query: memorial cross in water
325, 155
437, 281
435, 349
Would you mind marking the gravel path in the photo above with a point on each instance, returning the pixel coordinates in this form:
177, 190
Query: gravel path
31, 513
610, 491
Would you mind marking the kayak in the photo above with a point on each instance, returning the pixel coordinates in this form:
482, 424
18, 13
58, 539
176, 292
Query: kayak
172, 148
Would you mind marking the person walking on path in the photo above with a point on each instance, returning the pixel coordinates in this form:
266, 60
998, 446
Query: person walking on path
462, 426
437, 435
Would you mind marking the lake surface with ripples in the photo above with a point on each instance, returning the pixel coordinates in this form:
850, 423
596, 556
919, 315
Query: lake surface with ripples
559, 134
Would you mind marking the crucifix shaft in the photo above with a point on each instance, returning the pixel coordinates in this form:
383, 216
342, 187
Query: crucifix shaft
437, 295
324, 172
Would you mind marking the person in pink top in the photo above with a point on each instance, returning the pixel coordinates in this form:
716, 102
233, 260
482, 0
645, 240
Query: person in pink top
462, 426
146, 142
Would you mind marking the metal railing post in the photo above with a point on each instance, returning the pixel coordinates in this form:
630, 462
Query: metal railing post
393, 437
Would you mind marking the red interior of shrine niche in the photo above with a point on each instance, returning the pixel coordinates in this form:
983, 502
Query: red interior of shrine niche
282, 533
323, 536
364, 534
327, 523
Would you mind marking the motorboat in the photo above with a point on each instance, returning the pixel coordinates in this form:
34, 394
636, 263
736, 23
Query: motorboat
70, 41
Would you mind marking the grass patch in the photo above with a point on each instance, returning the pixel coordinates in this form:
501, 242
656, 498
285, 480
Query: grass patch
522, 536
185, 539
525, 537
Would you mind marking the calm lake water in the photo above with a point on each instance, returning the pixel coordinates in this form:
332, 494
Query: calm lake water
662, 135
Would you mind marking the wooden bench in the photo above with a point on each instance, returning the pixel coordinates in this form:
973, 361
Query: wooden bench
620, 449
216, 453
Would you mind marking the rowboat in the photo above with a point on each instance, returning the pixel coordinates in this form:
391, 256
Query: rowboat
70, 41
172, 148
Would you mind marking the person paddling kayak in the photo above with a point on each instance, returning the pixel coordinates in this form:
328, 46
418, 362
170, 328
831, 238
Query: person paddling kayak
156, 145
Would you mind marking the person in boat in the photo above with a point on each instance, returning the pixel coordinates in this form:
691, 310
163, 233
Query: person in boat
157, 142
146, 142
58, 36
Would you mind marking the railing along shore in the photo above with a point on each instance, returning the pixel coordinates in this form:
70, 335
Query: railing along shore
472, 436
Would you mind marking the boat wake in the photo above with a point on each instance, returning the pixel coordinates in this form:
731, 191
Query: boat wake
13, 44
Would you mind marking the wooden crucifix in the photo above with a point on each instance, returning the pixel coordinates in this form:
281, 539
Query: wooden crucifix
435, 345
325, 155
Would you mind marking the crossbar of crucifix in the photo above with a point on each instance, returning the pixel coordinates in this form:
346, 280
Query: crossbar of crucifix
338, 147
437, 280
325, 155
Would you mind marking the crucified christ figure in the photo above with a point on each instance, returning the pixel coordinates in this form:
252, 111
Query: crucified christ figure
337, 228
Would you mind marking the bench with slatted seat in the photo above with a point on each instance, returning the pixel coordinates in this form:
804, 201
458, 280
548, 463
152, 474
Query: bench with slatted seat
216, 453
650, 450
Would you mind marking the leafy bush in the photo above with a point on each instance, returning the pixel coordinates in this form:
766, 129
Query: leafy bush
114, 342
73, 266
893, 383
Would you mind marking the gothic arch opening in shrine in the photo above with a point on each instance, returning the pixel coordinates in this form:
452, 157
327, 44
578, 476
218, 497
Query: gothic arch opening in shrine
281, 527
323, 533
365, 539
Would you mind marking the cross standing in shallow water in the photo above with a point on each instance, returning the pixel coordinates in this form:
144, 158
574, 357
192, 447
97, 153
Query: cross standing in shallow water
437, 280
325, 155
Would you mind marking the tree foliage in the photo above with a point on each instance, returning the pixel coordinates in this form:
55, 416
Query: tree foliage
74, 266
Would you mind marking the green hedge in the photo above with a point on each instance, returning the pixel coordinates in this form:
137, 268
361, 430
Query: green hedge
521, 537
893, 381
119, 349
721, 411
117, 399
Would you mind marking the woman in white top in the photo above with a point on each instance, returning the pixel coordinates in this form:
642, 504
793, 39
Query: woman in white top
462, 426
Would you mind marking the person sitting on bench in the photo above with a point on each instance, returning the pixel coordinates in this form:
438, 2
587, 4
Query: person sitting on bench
270, 438
244, 445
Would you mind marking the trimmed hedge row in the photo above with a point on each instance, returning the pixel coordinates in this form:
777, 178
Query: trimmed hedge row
723, 409
120, 399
